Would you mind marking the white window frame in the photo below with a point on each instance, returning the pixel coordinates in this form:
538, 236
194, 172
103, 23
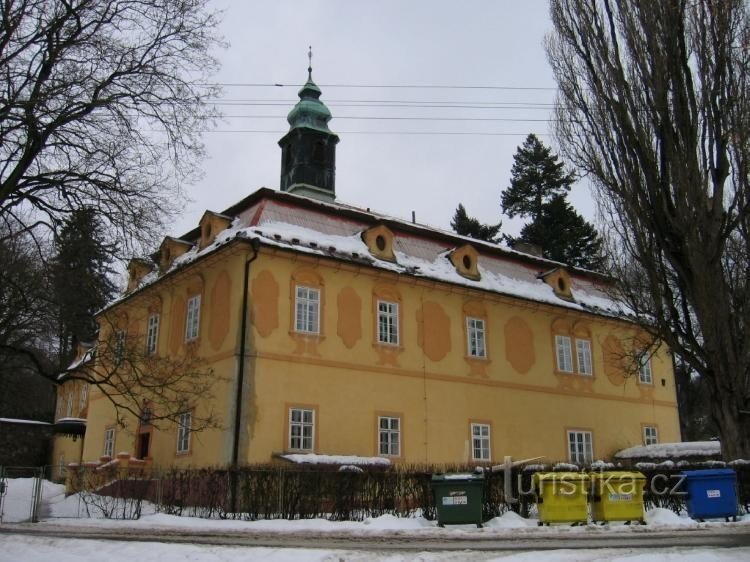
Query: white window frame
583, 356
580, 446
184, 425
152, 334
84, 397
119, 351
388, 317
109, 442
650, 435
564, 354
475, 337
481, 442
301, 429
645, 374
193, 318
307, 310
389, 436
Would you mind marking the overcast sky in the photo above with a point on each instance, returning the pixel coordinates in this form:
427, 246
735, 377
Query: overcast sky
381, 162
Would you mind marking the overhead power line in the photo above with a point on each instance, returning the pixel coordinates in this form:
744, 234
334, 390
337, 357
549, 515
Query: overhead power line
378, 118
438, 133
386, 86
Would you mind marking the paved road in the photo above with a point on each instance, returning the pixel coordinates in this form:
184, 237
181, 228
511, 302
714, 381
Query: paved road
725, 537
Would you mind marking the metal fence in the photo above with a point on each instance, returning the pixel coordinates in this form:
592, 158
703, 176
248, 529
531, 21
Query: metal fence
21, 493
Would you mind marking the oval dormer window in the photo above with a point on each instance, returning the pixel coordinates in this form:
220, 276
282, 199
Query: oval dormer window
562, 287
467, 262
380, 242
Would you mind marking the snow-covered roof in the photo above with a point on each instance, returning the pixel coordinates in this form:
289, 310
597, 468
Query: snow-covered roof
672, 450
83, 358
345, 460
334, 230
19, 421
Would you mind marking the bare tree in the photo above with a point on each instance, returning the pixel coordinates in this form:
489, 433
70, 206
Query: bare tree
102, 106
654, 105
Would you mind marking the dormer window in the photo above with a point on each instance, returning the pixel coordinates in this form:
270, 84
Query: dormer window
559, 280
466, 260
379, 240
211, 224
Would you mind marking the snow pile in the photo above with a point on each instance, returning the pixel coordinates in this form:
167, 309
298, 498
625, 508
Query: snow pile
672, 450
602, 465
653, 465
393, 523
661, 517
510, 520
566, 466
311, 458
739, 462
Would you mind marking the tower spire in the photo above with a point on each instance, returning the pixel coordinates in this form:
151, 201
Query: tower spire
309, 58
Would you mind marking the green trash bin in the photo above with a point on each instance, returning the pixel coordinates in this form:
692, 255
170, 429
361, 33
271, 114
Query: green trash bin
617, 496
458, 498
561, 497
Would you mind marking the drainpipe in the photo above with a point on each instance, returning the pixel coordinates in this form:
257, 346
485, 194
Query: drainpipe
255, 243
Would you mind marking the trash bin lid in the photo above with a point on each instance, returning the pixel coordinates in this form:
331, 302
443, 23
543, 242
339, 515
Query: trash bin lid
710, 473
462, 477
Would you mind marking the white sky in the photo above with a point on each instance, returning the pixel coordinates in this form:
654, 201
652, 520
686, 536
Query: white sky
389, 42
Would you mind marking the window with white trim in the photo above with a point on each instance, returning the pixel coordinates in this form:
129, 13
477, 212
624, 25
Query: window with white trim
307, 310
644, 369
109, 442
388, 322
583, 354
301, 429
389, 436
480, 442
475, 337
69, 410
84, 397
119, 351
650, 435
184, 424
193, 318
152, 334
580, 447
564, 354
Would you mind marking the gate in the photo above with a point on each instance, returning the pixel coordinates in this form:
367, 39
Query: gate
20, 493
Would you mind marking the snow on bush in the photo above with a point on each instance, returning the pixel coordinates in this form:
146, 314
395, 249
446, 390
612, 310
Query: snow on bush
672, 450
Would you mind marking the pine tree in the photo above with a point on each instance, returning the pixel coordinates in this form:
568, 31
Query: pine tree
536, 177
81, 278
564, 235
465, 225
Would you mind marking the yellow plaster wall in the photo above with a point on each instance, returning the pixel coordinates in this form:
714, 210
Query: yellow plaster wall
427, 379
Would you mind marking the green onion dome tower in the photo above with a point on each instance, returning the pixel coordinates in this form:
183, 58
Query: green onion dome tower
308, 150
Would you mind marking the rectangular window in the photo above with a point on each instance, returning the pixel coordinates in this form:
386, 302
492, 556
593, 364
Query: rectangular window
119, 351
69, 410
580, 447
152, 334
475, 334
564, 355
184, 422
583, 353
307, 310
389, 436
193, 319
109, 442
480, 442
301, 429
388, 322
644, 370
84, 398
650, 435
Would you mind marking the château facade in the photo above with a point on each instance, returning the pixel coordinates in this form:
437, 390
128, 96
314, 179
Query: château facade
333, 330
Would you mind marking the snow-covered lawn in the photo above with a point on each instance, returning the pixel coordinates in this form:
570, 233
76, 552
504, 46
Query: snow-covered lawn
70, 511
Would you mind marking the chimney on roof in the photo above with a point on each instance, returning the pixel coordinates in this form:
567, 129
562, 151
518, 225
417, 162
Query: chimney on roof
528, 248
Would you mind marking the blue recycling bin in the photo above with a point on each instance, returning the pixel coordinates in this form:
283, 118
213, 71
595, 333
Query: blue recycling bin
711, 493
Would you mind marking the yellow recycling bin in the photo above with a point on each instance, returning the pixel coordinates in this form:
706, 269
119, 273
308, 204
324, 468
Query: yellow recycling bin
617, 496
561, 497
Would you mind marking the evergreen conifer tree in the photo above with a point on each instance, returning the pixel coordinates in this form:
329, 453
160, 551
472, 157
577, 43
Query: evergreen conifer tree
536, 177
81, 279
538, 190
465, 225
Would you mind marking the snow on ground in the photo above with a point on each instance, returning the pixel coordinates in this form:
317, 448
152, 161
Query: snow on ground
41, 549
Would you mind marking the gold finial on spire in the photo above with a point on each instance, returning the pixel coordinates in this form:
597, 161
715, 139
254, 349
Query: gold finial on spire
309, 58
